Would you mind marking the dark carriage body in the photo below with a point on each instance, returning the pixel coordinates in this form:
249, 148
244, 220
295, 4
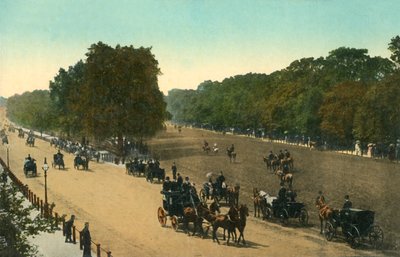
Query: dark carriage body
355, 225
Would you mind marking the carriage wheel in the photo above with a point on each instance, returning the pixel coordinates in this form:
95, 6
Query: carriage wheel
329, 232
174, 222
162, 216
303, 217
203, 196
375, 235
284, 217
353, 237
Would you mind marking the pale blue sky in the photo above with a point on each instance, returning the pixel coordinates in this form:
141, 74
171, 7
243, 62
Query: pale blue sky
192, 40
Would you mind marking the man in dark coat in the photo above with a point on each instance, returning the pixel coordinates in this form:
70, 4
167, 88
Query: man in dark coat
347, 203
179, 181
87, 241
68, 229
174, 169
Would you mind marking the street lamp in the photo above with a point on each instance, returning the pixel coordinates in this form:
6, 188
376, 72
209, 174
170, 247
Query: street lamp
45, 169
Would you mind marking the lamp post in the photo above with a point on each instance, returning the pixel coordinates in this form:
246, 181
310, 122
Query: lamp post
8, 157
45, 169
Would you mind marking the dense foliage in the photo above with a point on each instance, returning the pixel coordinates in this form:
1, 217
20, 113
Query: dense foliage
345, 96
113, 93
17, 223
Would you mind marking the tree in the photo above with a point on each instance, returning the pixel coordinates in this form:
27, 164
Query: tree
394, 47
17, 223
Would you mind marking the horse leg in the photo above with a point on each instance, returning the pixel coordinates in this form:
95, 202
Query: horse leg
215, 228
321, 221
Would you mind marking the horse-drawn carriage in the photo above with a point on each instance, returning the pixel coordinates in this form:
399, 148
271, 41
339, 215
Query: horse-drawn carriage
218, 192
283, 210
153, 171
30, 168
135, 167
176, 205
21, 133
58, 160
30, 141
81, 161
356, 225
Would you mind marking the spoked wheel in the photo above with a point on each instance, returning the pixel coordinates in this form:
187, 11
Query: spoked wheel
329, 232
375, 235
303, 217
174, 222
203, 196
353, 237
162, 216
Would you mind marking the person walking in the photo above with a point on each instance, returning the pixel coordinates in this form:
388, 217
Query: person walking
174, 170
68, 229
87, 241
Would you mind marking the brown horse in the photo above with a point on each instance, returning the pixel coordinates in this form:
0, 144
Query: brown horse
231, 155
227, 222
257, 202
285, 178
191, 215
325, 212
241, 222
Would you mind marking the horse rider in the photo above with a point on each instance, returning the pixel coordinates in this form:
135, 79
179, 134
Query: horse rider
287, 154
347, 203
232, 148
59, 155
271, 156
179, 181
220, 179
205, 144
174, 169
29, 158
281, 155
320, 198
167, 184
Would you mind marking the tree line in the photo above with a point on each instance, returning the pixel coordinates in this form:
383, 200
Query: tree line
345, 96
113, 93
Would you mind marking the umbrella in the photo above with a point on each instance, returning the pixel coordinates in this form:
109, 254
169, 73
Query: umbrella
370, 144
209, 174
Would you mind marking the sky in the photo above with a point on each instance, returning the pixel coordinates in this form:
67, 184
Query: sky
193, 41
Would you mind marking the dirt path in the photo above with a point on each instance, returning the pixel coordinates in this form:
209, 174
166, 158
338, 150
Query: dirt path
122, 212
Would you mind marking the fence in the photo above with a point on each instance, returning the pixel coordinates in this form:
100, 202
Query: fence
47, 212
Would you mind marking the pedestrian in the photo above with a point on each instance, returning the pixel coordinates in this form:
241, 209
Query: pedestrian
87, 241
174, 169
347, 203
68, 229
179, 181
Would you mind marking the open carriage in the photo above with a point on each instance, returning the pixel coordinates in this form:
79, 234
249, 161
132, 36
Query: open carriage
30, 168
356, 225
285, 210
174, 203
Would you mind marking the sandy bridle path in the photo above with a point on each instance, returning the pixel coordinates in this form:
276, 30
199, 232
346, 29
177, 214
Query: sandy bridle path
122, 211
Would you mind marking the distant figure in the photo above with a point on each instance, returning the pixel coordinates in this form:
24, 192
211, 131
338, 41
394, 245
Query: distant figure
320, 198
87, 241
174, 170
357, 148
68, 229
347, 203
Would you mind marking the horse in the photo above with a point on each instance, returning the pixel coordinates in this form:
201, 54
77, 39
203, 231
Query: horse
227, 222
30, 140
231, 155
241, 222
286, 164
30, 165
191, 215
286, 178
206, 148
325, 212
257, 202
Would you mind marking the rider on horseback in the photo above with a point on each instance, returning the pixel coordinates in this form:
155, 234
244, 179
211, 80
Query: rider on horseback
232, 148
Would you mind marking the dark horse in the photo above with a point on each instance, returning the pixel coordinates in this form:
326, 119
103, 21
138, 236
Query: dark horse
58, 161
231, 154
241, 222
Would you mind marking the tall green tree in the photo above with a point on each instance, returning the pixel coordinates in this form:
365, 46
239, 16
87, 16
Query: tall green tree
394, 47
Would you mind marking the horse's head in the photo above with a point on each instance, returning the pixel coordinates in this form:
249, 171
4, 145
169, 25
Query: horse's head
233, 212
243, 210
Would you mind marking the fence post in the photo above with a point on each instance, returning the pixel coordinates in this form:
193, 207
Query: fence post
73, 234
98, 250
56, 220
80, 240
41, 208
63, 226
109, 254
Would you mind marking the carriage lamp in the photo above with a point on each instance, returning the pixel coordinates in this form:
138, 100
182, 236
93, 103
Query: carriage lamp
45, 169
